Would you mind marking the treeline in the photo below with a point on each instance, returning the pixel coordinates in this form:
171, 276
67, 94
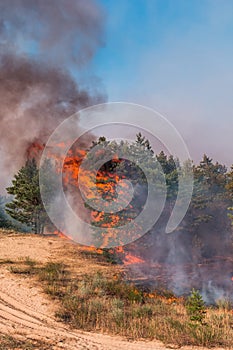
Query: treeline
209, 214
212, 195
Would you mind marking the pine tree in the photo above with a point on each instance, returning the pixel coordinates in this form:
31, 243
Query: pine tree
27, 206
143, 158
229, 185
142, 141
195, 307
213, 176
170, 168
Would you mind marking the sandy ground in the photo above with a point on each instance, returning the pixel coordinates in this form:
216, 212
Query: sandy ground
27, 313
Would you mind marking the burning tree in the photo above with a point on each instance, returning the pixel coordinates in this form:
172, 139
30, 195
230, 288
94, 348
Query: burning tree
108, 178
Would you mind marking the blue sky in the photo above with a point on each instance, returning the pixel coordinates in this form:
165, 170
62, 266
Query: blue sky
177, 57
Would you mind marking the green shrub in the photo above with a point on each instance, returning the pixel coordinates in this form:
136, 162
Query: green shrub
195, 307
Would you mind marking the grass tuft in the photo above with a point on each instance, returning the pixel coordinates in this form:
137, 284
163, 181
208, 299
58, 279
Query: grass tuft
8, 342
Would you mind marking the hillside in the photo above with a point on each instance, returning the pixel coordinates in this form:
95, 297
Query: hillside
27, 313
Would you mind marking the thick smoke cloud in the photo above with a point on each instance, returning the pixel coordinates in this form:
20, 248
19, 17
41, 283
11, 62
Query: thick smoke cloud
56, 30
39, 42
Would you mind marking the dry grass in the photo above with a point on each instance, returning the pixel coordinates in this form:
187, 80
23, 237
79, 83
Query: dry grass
7, 342
115, 307
104, 303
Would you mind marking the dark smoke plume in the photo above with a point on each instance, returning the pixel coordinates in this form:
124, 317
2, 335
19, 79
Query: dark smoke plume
61, 31
40, 41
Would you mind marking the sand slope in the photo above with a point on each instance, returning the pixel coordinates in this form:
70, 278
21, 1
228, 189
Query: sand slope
27, 313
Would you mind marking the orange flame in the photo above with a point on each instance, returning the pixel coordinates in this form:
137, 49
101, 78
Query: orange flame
105, 183
60, 234
35, 150
132, 259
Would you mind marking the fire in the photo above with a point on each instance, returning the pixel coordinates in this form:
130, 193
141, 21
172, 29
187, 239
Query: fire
128, 258
35, 150
104, 184
166, 300
120, 249
92, 249
132, 259
60, 234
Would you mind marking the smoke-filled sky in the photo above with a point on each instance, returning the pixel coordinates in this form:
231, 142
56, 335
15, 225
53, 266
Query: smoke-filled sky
59, 56
177, 57
45, 51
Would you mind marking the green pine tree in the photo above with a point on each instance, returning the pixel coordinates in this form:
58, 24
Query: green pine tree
27, 206
195, 307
